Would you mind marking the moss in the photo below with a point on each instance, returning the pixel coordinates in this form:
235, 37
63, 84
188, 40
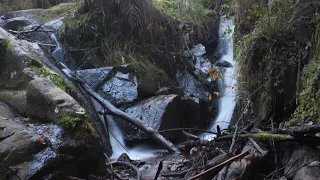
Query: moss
38, 66
79, 125
263, 136
309, 96
268, 58
6, 48
69, 121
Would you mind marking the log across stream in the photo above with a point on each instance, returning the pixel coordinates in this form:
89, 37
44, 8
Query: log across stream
226, 101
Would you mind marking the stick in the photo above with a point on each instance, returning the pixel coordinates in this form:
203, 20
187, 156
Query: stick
221, 165
178, 174
298, 130
234, 138
129, 165
191, 136
256, 145
112, 110
191, 129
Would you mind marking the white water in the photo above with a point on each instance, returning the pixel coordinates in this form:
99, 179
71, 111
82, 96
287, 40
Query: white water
226, 85
117, 142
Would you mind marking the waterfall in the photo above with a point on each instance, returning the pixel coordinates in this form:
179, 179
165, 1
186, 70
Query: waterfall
226, 85
226, 101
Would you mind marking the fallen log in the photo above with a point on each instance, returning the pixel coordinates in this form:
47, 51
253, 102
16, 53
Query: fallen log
299, 130
261, 136
243, 169
112, 110
214, 170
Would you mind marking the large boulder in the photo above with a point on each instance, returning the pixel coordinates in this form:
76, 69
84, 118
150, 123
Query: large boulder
21, 145
16, 24
302, 162
163, 112
115, 84
47, 102
190, 86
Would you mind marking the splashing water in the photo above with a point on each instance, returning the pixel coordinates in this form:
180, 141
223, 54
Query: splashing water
227, 100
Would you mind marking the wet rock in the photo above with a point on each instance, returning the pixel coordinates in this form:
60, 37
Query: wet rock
18, 147
39, 162
300, 156
203, 65
163, 112
47, 102
113, 83
170, 90
16, 99
190, 86
5, 111
224, 64
54, 25
17, 23
198, 50
124, 157
18, 55
93, 76
147, 85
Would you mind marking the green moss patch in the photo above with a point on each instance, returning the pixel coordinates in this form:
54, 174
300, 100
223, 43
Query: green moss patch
38, 67
78, 125
263, 136
6, 48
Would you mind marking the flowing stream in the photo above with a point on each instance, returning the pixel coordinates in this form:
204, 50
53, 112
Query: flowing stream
226, 101
227, 89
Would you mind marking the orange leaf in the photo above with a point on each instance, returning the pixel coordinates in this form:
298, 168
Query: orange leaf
215, 75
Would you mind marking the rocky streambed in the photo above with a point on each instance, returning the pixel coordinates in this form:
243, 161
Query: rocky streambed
52, 128
46, 132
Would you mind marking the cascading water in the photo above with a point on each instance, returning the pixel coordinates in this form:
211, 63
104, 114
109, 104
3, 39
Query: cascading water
226, 101
226, 85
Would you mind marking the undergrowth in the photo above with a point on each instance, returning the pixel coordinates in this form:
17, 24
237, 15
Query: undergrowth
309, 97
270, 55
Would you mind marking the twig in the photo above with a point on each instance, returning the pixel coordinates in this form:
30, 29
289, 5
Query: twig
159, 169
73, 178
178, 174
190, 136
304, 164
275, 171
221, 165
191, 129
129, 165
256, 145
234, 138
15, 173
50, 45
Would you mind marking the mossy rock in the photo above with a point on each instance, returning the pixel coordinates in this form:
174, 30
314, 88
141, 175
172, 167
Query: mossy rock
79, 126
16, 99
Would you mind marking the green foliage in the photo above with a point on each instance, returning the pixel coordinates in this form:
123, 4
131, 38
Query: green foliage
309, 97
192, 11
268, 57
56, 11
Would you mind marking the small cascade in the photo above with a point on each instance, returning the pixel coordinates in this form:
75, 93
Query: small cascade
226, 85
